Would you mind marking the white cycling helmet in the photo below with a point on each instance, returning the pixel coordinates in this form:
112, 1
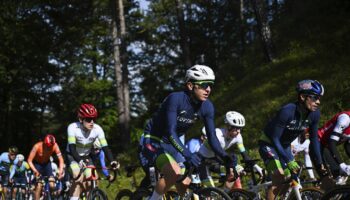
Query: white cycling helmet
97, 144
200, 73
20, 157
234, 118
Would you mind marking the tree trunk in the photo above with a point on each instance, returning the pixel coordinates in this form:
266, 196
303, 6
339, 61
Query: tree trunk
184, 40
121, 73
242, 29
260, 10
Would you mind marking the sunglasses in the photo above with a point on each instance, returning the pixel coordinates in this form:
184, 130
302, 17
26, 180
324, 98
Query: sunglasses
234, 128
88, 120
204, 84
314, 97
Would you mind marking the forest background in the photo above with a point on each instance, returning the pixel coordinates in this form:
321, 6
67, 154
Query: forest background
55, 55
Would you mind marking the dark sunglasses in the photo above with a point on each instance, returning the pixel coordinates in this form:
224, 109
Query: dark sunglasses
234, 128
88, 120
204, 85
314, 97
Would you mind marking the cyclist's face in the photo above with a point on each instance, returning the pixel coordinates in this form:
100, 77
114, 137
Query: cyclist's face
233, 131
201, 91
311, 102
88, 123
12, 156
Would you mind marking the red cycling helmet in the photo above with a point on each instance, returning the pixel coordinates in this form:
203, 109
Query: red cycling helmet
49, 140
87, 111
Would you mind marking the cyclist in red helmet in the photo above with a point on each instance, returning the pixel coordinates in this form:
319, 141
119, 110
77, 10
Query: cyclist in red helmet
81, 136
39, 161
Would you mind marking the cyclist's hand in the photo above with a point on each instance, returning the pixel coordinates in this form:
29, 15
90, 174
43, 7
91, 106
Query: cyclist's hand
344, 168
240, 170
293, 166
82, 164
195, 159
322, 170
258, 169
110, 177
115, 165
60, 174
36, 174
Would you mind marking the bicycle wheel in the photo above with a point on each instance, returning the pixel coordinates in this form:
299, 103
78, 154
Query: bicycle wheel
309, 193
338, 193
124, 194
141, 194
212, 193
240, 194
97, 194
19, 195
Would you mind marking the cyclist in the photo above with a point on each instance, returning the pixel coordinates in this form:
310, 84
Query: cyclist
195, 143
39, 162
6, 160
81, 136
98, 156
227, 137
301, 144
289, 122
177, 113
334, 132
19, 173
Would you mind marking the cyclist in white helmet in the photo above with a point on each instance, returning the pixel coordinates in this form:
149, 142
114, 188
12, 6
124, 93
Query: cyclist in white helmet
227, 137
19, 173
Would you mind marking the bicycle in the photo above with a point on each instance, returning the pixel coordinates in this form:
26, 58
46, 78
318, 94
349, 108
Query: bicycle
255, 187
95, 192
196, 191
140, 192
340, 192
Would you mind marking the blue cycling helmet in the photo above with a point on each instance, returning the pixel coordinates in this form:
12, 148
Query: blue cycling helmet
310, 87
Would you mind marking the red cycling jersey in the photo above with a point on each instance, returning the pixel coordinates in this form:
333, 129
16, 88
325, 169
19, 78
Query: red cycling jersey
327, 129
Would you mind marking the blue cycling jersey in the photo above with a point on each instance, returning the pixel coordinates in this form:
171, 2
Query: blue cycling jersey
288, 124
177, 113
193, 145
5, 163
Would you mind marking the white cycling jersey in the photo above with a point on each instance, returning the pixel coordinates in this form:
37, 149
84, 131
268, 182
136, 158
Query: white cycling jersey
225, 142
84, 139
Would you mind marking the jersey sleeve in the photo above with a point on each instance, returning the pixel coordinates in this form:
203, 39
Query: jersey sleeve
314, 142
343, 122
276, 134
240, 144
101, 135
71, 133
210, 130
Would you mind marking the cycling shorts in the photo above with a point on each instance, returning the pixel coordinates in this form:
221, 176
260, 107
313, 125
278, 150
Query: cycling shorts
270, 157
5, 179
74, 167
154, 152
44, 169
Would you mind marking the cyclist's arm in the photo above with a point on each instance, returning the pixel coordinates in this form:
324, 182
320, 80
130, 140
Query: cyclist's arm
241, 148
30, 159
60, 158
314, 142
73, 152
210, 130
101, 157
276, 135
12, 171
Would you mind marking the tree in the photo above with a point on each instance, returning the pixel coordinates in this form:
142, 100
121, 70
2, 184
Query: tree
121, 71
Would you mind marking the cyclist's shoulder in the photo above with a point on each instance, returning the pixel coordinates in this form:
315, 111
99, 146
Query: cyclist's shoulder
98, 128
74, 125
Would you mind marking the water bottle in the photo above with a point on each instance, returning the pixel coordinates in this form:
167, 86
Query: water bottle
152, 176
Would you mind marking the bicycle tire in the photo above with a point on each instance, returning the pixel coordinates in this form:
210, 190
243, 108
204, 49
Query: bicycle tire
308, 193
214, 193
124, 194
97, 194
338, 193
240, 194
141, 194
19, 195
